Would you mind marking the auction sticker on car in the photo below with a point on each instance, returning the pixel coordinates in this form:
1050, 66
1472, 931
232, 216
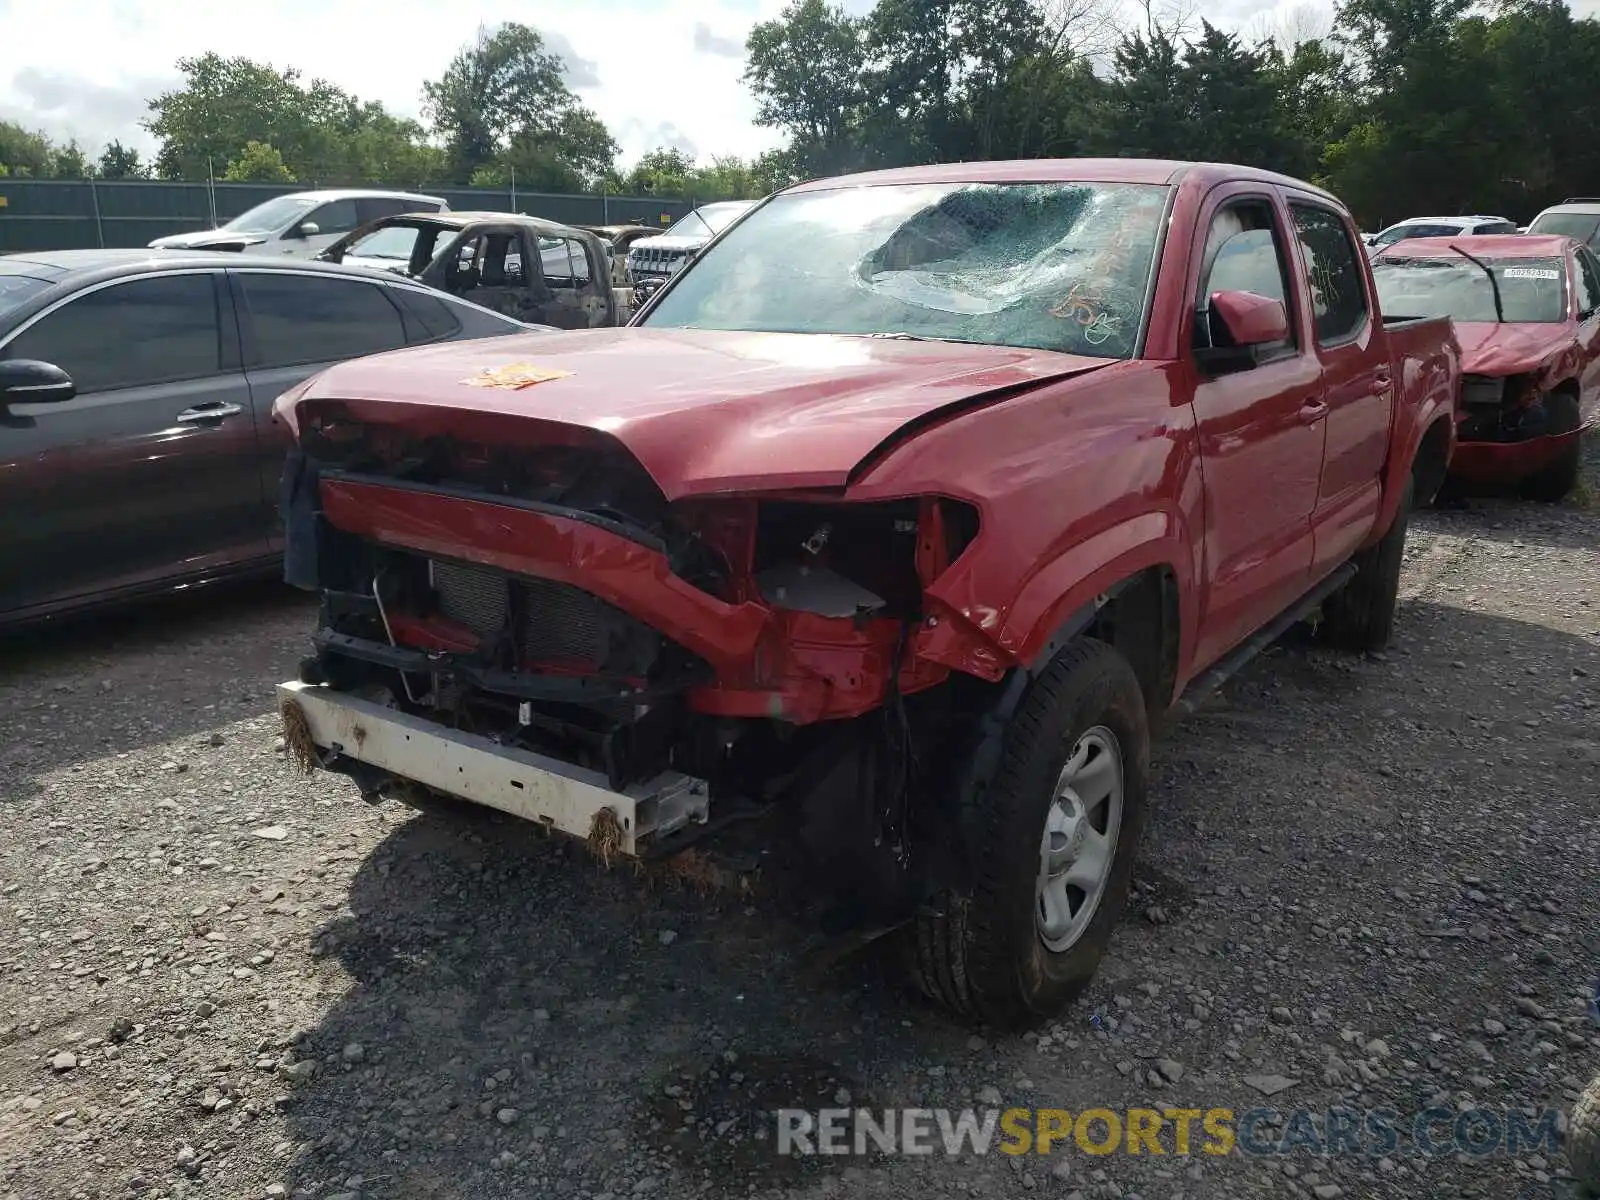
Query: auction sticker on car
514, 376
1532, 273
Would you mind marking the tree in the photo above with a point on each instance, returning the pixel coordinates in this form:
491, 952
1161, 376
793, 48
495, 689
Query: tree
321, 131
258, 163
69, 162
23, 153
661, 172
119, 162
502, 102
941, 75
805, 70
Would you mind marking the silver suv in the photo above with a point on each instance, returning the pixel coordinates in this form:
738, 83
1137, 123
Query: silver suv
302, 224
1575, 217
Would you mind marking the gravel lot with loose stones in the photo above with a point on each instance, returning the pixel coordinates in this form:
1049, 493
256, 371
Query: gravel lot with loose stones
1372, 883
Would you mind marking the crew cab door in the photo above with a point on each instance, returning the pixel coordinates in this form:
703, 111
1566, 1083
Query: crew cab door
1357, 381
1261, 428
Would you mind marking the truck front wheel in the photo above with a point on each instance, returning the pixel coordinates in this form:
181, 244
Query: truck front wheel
1054, 840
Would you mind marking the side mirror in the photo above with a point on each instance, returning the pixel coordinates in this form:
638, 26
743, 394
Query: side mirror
1234, 325
1250, 320
28, 381
305, 229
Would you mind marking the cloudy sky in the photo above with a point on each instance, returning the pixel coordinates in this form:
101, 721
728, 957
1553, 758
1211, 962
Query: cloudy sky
659, 72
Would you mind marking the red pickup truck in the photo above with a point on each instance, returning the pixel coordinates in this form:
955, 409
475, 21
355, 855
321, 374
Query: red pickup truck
895, 521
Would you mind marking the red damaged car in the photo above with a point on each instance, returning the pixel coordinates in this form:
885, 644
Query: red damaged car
1527, 313
885, 533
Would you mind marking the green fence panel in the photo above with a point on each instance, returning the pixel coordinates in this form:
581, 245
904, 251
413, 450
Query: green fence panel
71, 214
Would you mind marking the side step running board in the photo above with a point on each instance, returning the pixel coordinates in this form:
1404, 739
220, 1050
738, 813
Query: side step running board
1209, 681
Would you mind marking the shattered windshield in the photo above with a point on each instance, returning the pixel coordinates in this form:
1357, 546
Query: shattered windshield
1531, 289
1051, 266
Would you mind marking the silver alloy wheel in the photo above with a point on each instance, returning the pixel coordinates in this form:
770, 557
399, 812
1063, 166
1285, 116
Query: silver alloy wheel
1080, 839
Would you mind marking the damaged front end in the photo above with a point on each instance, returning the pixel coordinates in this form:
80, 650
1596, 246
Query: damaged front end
1506, 428
686, 665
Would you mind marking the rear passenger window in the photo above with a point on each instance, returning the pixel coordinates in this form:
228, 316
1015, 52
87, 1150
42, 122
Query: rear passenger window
1339, 298
147, 331
565, 262
307, 319
371, 208
428, 318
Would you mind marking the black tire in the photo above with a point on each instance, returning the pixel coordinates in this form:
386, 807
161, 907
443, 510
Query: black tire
979, 952
1359, 617
1553, 484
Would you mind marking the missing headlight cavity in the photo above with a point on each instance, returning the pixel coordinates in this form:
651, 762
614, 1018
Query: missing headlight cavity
853, 560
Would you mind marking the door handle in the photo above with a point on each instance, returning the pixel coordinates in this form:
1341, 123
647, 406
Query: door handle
1312, 411
1380, 383
201, 414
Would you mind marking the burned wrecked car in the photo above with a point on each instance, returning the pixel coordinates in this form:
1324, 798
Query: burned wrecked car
886, 556
536, 271
1527, 313
619, 239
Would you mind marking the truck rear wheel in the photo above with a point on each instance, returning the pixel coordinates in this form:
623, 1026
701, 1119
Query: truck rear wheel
1054, 846
1360, 616
1553, 484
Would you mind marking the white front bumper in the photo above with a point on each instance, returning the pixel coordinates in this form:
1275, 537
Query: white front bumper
483, 771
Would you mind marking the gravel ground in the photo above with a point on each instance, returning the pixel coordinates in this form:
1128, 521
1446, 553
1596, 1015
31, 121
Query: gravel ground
1374, 879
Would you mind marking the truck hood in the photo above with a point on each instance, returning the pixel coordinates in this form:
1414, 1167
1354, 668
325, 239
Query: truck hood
702, 411
208, 239
1512, 348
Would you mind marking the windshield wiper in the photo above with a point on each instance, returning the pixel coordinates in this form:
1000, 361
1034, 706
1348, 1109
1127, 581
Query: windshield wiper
1494, 286
902, 337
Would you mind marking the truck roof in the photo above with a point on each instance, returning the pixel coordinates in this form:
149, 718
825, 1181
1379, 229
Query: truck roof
1484, 245
1063, 170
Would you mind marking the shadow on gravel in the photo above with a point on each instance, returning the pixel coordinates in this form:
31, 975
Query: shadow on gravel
173, 667
530, 1023
1504, 522
524, 1023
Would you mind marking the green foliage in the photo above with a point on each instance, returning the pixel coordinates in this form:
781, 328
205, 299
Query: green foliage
1409, 106
1405, 107
25, 154
119, 162
258, 163
502, 106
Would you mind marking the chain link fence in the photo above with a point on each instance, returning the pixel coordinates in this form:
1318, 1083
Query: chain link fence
79, 214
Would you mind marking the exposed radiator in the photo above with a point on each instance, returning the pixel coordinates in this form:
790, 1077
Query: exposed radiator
559, 623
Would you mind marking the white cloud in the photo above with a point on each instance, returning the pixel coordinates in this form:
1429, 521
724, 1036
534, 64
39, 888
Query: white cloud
658, 72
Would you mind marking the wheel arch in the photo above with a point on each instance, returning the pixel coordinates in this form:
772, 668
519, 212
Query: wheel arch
1140, 615
1431, 462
